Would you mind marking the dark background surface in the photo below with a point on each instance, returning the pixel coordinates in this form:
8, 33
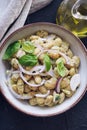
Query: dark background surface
73, 119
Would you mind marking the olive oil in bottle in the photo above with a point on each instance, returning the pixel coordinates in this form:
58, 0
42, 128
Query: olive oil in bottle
72, 14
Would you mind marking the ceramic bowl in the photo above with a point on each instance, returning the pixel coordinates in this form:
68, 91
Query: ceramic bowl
78, 49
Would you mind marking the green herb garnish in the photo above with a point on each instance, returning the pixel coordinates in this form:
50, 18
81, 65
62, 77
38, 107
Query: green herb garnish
47, 62
28, 60
11, 50
28, 47
57, 97
61, 68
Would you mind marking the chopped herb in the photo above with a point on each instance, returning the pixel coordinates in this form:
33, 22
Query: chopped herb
61, 68
47, 62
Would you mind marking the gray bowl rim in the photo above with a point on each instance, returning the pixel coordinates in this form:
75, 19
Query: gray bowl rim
67, 31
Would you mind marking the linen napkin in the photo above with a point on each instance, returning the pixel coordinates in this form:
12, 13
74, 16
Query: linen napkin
16, 13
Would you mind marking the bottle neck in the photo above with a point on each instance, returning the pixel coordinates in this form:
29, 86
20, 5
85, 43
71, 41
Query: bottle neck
79, 9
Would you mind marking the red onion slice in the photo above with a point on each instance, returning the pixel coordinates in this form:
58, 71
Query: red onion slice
44, 39
65, 57
15, 94
61, 53
43, 95
39, 68
50, 73
43, 51
35, 71
38, 46
30, 84
75, 82
58, 85
48, 38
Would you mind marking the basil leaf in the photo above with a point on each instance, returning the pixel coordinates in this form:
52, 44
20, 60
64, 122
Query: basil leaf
57, 97
11, 50
28, 47
28, 60
61, 68
47, 62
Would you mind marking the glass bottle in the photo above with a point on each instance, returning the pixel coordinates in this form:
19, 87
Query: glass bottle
72, 14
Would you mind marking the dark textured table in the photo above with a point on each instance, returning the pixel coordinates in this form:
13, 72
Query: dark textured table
73, 119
